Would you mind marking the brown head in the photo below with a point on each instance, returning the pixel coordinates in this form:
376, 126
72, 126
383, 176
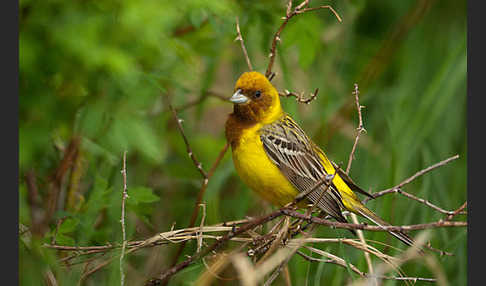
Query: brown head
255, 99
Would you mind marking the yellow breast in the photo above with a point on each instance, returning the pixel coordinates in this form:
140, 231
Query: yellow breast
258, 172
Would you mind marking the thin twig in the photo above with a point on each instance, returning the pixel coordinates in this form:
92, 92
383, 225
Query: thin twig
362, 274
200, 195
291, 13
411, 253
300, 97
122, 220
333, 259
458, 211
200, 236
403, 228
188, 147
175, 236
240, 38
410, 179
425, 202
360, 130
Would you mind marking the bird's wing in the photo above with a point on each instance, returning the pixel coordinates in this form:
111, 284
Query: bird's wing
291, 150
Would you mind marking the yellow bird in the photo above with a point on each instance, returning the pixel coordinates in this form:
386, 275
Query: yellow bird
277, 160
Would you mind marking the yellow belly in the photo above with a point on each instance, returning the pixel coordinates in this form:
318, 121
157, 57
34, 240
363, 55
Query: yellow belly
258, 172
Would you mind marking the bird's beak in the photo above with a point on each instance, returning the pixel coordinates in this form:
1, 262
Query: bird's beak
239, 97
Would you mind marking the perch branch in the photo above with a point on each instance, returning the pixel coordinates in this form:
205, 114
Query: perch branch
404, 228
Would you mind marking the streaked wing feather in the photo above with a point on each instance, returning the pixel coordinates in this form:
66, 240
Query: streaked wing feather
289, 148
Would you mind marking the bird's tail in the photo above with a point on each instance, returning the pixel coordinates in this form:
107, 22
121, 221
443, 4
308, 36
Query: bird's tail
360, 209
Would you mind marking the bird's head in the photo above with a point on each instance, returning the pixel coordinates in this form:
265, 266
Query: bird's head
255, 99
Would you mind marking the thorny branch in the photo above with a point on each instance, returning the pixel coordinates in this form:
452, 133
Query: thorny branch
299, 9
186, 142
200, 195
300, 97
416, 175
404, 228
398, 188
179, 235
360, 129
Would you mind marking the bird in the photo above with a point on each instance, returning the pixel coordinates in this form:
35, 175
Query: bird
275, 158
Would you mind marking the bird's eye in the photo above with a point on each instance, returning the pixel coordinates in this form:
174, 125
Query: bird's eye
258, 93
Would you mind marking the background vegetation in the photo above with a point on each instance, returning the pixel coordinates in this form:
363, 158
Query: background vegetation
93, 75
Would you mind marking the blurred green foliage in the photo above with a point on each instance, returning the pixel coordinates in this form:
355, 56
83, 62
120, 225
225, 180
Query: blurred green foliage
99, 71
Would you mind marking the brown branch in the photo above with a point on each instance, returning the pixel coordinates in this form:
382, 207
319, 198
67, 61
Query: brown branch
188, 147
300, 97
204, 186
200, 195
360, 130
289, 14
360, 127
240, 38
166, 275
404, 228
425, 202
458, 211
410, 179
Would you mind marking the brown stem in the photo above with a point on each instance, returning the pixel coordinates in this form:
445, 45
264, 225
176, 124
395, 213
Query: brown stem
291, 13
404, 228
240, 38
200, 195
166, 275
415, 176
